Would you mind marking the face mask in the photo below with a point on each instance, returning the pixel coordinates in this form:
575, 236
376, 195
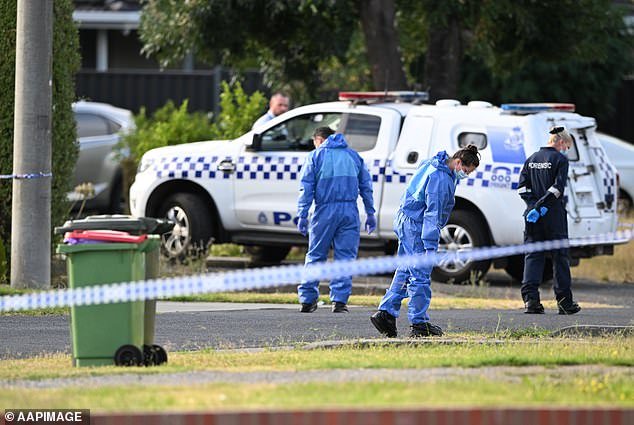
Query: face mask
564, 152
461, 174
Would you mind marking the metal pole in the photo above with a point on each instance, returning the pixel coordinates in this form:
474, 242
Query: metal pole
31, 208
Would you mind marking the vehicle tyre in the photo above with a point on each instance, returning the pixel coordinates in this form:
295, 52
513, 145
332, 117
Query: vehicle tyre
625, 203
267, 254
193, 229
391, 247
463, 232
117, 200
128, 355
515, 268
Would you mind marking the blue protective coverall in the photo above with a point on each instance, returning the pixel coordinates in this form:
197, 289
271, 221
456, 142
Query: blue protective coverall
424, 210
542, 183
333, 176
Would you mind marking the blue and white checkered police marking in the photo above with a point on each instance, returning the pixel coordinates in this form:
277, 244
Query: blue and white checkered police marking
274, 276
501, 176
606, 170
288, 168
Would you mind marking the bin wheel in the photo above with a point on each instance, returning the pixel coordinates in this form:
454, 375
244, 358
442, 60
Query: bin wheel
154, 355
128, 355
161, 354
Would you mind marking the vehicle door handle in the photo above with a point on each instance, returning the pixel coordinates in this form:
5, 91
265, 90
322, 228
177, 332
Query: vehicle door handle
227, 166
589, 171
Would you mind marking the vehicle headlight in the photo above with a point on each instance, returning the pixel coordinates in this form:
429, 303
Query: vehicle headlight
144, 164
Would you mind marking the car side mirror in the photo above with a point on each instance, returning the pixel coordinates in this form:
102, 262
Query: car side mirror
256, 143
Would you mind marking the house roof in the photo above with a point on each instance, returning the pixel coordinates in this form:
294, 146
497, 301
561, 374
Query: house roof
112, 5
107, 14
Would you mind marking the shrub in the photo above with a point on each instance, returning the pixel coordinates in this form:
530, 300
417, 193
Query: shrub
238, 112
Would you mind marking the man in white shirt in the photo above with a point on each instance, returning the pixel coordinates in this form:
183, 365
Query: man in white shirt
277, 105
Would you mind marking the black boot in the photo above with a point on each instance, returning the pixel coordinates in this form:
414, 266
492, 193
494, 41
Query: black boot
308, 307
570, 308
338, 307
385, 323
425, 329
533, 307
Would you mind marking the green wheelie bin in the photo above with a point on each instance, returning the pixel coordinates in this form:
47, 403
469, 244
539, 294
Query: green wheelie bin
120, 333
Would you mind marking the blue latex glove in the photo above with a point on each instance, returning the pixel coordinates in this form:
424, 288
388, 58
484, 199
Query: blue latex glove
532, 216
370, 224
302, 226
543, 211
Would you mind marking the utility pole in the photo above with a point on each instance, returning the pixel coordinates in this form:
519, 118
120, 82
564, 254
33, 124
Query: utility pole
32, 146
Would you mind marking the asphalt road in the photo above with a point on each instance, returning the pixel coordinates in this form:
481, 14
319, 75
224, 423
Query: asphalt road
229, 326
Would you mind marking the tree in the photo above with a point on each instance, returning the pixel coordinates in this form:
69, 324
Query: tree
289, 39
503, 50
530, 48
65, 64
382, 44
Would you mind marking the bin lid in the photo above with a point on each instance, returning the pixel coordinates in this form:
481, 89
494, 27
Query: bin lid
105, 236
124, 223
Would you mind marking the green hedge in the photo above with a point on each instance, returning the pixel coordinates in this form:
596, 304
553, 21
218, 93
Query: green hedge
66, 62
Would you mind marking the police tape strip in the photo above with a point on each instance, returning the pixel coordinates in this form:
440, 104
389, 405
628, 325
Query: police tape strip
25, 176
275, 276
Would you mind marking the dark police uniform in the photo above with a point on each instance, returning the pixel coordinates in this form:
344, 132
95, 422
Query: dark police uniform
542, 183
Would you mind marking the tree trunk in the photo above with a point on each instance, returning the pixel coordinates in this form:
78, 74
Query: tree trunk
443, 61
382, 44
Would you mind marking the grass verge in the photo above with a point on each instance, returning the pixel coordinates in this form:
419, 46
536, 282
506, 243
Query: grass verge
550, 386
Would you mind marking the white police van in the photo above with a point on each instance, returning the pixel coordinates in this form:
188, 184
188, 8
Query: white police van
245, 190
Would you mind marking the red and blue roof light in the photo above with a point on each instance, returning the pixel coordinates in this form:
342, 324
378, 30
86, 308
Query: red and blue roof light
530, 108
385, 96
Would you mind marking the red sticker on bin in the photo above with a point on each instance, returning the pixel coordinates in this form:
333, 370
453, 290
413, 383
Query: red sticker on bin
105, 235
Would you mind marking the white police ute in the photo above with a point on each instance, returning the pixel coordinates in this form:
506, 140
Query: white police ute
245, 190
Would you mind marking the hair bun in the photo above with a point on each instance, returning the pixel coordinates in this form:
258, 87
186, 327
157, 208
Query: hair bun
472, 148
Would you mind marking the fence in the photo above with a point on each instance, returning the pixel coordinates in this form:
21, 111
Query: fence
152, 89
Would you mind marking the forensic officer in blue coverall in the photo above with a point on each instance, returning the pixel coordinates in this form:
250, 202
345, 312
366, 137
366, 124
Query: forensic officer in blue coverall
333, 177
542, 183
424, 210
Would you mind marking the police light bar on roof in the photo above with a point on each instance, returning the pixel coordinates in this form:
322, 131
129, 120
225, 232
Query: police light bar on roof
530, 108
368, 96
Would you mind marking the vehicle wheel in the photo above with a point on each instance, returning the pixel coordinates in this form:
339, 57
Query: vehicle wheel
391, 247
515, 268
463, 232
117, 200
128, 355
268, 254
624, 203
193, 231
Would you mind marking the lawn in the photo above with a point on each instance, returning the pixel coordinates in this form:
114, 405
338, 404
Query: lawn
466, 371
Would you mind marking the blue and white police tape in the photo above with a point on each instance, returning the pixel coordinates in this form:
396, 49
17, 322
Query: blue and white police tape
25, 176
274, 276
